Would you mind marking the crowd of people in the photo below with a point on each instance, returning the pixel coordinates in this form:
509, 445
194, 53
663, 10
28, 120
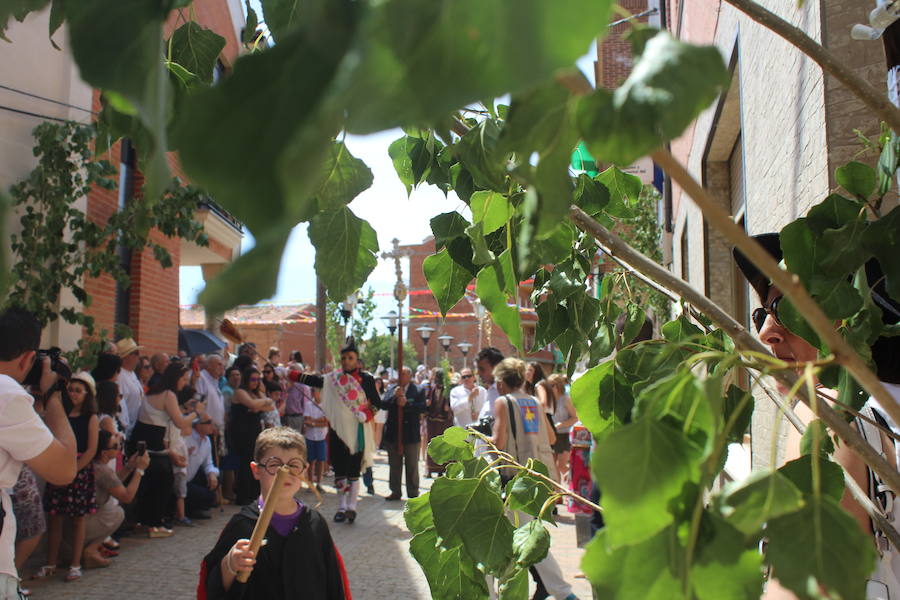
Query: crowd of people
144, 444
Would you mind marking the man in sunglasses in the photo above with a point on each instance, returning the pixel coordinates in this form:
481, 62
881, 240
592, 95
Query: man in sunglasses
466, 399
792, 348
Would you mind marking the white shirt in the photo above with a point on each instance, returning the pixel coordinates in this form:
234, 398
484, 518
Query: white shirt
199, 455
132, 396
462, 409
208, 388
23, 435
488, 409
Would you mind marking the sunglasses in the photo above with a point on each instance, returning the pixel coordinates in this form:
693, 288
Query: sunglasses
467, 376
253, 380
760, 314
296, 467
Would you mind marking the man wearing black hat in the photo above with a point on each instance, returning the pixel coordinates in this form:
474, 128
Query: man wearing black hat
348, 397
790, 347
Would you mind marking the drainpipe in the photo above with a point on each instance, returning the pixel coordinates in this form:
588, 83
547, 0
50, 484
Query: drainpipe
126, 194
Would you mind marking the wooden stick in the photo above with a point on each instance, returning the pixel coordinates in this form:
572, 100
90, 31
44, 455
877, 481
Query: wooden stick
262, 524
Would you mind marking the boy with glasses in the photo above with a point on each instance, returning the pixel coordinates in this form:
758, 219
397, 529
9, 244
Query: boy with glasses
299, 559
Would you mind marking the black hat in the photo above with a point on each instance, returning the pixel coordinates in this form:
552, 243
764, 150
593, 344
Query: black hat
885, 350
350, 346
771, 243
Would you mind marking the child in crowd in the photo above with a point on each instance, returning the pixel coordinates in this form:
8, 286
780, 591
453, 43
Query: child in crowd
108, 397
315, 429
77, 499
299, 559
272, 418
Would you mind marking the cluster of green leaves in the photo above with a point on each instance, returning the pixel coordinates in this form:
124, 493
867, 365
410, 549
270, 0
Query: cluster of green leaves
662, 413
848, 263
462, 530
58, 246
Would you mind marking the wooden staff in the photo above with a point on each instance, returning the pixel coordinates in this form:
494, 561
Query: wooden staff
399, 383
262, 524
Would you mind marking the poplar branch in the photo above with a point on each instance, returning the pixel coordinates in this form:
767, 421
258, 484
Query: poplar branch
872, 98
742, 338
615, 246
789, 284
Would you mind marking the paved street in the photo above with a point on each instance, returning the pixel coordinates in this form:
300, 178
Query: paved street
375, 549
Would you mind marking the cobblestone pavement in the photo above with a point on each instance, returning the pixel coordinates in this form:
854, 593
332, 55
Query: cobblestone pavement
375, 550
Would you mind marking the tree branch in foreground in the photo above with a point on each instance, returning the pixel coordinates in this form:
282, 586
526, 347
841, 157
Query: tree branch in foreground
742, 338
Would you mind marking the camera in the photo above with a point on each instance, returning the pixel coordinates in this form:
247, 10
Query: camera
56, 365
141, 448
485, 425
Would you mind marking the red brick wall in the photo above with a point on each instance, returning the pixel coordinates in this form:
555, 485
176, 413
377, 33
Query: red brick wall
614, 52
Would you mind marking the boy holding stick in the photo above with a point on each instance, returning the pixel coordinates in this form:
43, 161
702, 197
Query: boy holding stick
299, 559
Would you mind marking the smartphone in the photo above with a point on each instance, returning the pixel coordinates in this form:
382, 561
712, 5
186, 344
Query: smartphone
142, 448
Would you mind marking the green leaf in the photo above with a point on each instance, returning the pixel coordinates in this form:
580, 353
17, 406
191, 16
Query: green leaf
634, 321
451, 445
833, 212
342, 177
482, 254
883, 240
491, 209
531, 543
451, 572
476, 151
446, 279
795, 322
601, 402
252, 277
671, 83
447, 226
516, 587
402, 163
422, 60
528, 493
417, 514
831, 476
18, 9
126, 59
345, 251
282, 16
472, 511
816, 430
764, 495
641, 468
726, 567
681, 400
681, 330
624, 192
856, 178
252, 23
591, 195
495, 286
197, 49
641, 571
824, 542
733, 398
275, 95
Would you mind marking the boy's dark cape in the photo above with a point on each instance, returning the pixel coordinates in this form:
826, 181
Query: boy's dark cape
305, 564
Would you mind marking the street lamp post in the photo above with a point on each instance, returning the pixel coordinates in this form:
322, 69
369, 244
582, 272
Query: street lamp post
464, 347
425, 333
346, 308
390, 320
445, 343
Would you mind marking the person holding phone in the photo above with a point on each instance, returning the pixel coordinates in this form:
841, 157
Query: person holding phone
160, 408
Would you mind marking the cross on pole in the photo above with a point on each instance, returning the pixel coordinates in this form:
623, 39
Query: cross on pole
400, 295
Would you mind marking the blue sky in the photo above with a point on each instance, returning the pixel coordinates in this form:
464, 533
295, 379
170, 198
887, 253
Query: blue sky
385, 206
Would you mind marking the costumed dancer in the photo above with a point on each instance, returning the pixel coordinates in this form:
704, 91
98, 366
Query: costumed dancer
348, 398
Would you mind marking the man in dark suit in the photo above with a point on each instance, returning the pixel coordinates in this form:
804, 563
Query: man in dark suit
405, 404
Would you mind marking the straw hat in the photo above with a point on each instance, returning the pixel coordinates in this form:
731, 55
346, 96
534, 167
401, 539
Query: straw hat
126, 346
85, 378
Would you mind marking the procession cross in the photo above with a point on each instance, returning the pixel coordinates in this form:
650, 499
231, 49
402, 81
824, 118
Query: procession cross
400, 295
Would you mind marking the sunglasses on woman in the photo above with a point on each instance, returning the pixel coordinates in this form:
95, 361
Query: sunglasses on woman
760, 314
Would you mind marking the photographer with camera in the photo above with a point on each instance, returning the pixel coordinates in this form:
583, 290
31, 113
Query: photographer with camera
47, 446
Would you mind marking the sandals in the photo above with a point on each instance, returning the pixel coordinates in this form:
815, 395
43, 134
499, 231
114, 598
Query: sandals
111, 543
74, 574
45, 571
159, 532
